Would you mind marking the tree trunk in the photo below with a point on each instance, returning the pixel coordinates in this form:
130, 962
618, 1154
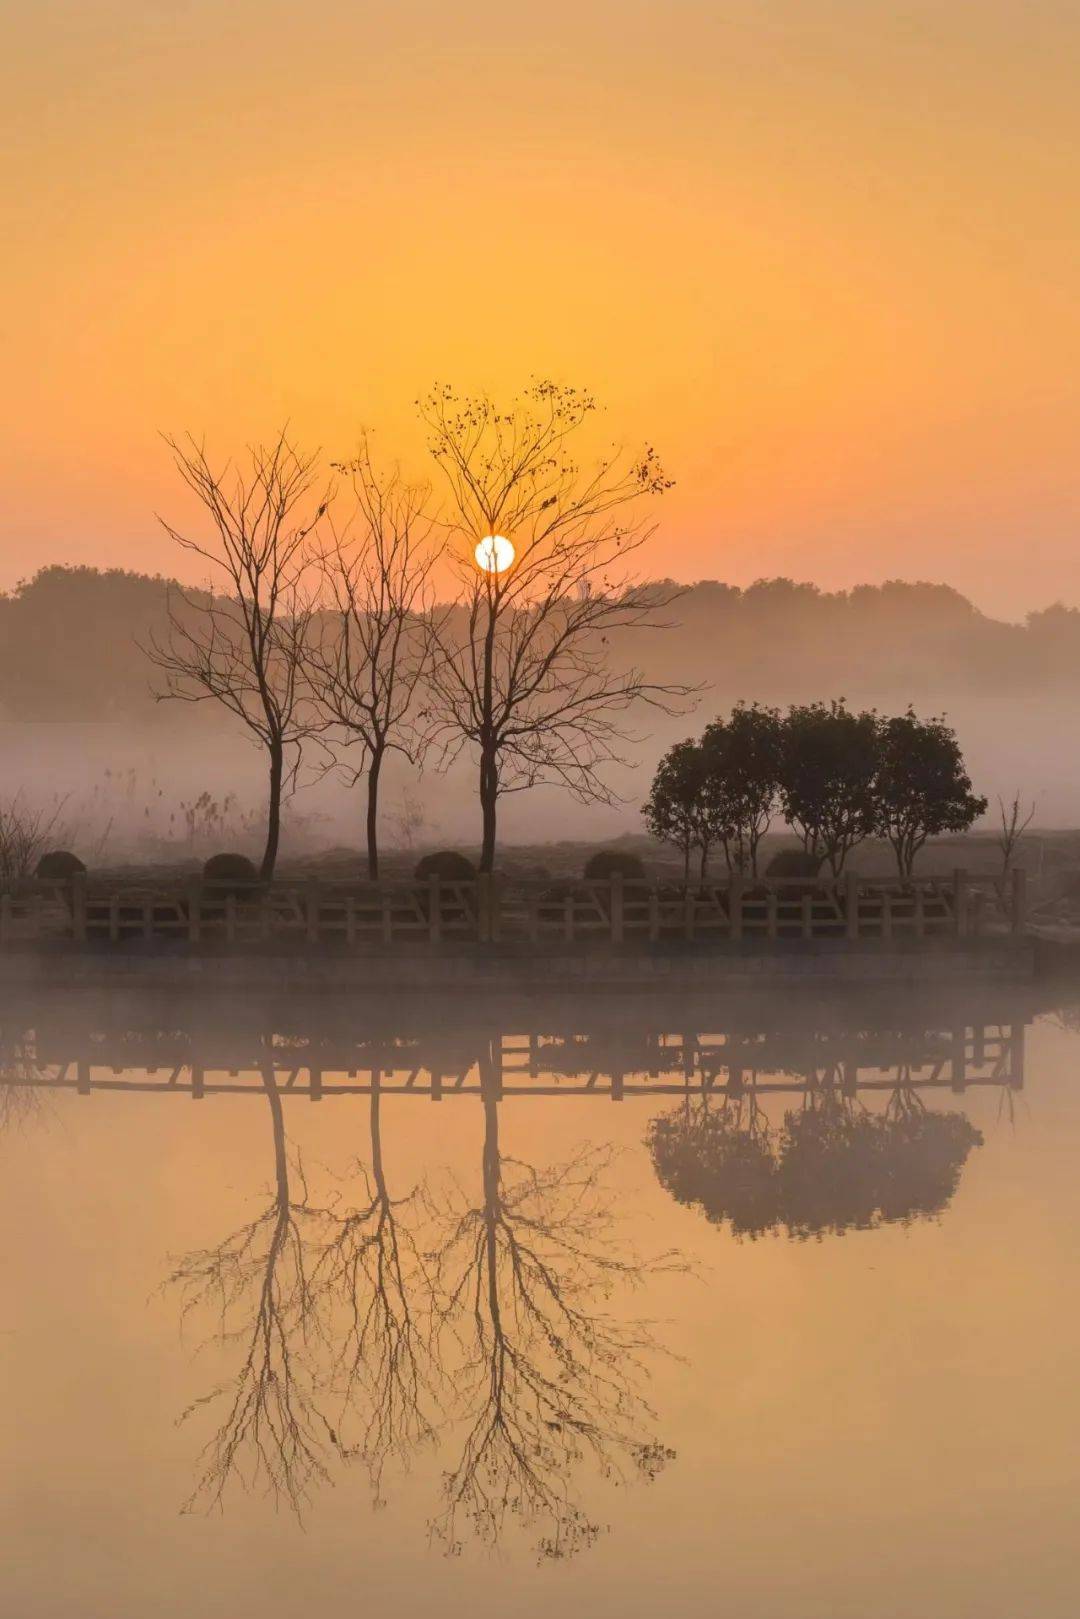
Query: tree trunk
373, 814
489, 794
273, 812
704, 864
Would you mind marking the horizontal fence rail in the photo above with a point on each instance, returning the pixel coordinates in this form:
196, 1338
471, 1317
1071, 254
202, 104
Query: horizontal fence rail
490, 910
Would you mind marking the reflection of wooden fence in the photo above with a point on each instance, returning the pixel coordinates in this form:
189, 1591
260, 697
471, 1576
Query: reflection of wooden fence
519, 1064
491, 910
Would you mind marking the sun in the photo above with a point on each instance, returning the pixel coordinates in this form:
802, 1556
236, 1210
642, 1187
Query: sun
494, 554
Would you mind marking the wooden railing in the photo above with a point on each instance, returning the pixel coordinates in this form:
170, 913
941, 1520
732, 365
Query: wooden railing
491, 910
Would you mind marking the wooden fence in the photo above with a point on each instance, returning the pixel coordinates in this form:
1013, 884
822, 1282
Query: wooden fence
490, 910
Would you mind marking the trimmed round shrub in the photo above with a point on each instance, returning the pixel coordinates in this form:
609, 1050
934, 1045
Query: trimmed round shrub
59, 866
446, 864
608, 863
235, 870
793, 863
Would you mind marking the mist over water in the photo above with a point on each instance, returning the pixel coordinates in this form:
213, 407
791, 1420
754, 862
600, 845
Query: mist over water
657, 1297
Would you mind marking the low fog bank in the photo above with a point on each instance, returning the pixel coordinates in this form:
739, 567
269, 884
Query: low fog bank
131, 778
161, 789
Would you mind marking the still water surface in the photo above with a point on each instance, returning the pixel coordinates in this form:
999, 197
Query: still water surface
789, 1331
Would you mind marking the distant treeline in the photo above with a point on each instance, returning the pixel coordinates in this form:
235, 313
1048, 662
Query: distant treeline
69, 644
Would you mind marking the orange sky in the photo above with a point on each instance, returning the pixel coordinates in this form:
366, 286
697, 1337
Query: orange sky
824, 253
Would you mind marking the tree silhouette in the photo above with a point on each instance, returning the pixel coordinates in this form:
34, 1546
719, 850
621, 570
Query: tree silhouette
367, 654
922, 788
828, 762
521, 667
241, 642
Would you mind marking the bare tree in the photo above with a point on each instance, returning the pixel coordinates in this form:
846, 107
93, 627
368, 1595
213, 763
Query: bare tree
24, 834
240, 643
522, 668
1014, 823
368, 657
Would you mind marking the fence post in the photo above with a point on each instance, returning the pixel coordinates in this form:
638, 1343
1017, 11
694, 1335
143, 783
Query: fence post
617, 907
434, 909
78, 907
959, 1057
960, 903
735, 899
851, 904
1019, 899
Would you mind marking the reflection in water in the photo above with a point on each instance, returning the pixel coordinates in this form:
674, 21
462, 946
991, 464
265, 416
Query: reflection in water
832, 1166
547, 1377
384, 1352
363, 1330
257, 1285
483, 1320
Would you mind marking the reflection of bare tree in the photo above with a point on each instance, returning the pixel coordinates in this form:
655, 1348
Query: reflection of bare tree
274, 1433
548, 1377
373, 1263
21, 1079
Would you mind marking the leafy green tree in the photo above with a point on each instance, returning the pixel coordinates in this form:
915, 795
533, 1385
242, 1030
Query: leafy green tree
828, 760
922, 787
742, 760
676, 810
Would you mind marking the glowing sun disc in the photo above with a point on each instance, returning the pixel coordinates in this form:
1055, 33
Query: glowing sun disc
494, 554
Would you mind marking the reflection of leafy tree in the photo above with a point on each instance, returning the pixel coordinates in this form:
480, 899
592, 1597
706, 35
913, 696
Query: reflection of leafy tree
274, 1432
841, 1167
548, 1378
373, 1264
720, 1158
833, 1166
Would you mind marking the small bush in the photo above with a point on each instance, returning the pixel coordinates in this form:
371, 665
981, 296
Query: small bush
446, 864
235, 871
608, 863
793, 863
59, 866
